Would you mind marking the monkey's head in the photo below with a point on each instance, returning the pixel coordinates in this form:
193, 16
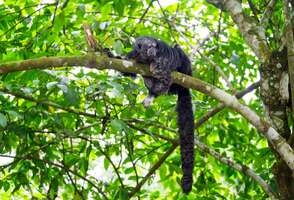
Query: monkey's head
146, 49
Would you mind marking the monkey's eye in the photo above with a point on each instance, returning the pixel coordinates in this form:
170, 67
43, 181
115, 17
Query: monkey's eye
139, 46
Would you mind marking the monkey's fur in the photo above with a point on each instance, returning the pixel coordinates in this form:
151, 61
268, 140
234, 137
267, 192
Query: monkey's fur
163, 59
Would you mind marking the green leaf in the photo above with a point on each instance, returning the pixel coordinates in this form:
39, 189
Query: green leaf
59, 21
123, 194
106, 163
118, 125
13, 115
71, 159
118, 47
6, 186
3, 120
83, 163
119, 7
50, 85
129, 170
71, 95
134, 178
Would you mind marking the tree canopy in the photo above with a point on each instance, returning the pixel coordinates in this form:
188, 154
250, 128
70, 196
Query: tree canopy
73, 127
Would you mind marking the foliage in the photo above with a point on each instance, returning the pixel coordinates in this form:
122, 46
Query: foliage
81, 133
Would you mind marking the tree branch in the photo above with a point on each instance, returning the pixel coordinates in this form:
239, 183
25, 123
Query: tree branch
253, 33
103, 62
61, 167
290, 47
153, 169
221, 106
267, 13
47, 103
230, 162
239, 167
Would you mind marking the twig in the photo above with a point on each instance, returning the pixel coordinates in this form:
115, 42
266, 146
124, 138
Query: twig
21, 9
55, 10
75, 186
63, 6
150, 134
253, 9
151, 151
148, 123
24, 18
218, 69
62, 167
130, 150
48, 103
96, 144
92, 44
153, 169
239, 167
142, 17
166, 19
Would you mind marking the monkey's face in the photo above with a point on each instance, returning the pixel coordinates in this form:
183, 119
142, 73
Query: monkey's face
146, 49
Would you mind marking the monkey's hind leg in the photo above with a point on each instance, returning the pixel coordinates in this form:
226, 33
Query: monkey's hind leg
149, 82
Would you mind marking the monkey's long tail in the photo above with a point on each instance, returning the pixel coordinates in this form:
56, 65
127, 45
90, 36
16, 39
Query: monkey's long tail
186, 130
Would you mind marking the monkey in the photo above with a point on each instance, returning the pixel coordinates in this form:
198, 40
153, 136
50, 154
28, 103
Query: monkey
162, 60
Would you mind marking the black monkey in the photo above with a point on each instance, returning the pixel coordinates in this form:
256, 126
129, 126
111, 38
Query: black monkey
162, 59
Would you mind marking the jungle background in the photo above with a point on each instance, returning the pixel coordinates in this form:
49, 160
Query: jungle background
70, 131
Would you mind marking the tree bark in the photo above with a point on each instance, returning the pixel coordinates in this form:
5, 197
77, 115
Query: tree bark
103, 62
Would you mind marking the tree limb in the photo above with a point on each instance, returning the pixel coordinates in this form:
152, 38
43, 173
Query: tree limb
61, 167
47, 103
290, 47
154, 168
267, 13
230, 162
221, 106
253, 33
103, 62
239, 167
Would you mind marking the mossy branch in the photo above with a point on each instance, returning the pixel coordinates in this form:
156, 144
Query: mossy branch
103, 62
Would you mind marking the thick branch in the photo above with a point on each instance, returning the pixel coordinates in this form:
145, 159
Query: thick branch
290, 47
221, 106
232, 102
103, 62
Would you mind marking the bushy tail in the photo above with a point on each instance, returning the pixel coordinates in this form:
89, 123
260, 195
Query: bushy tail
186, 130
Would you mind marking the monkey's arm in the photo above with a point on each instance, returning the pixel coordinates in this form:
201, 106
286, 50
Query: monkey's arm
161, 71
160, 81
132, 55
